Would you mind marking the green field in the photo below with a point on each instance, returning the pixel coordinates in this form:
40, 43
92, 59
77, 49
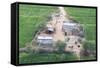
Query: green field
33, 18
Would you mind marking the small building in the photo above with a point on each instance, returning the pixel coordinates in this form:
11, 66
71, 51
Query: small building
49, 29
71, 28
45, 43
68, 27
45, 40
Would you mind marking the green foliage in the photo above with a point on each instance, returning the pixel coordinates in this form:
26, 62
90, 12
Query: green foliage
60, 45
46, 57
89, 45
90, 32
89, 51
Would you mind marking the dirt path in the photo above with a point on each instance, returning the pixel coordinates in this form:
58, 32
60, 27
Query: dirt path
59, 35
64, 14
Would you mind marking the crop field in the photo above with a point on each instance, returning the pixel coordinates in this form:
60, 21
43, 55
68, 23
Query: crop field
33, 18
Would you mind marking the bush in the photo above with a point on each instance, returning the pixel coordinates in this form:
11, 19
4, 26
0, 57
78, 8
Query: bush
61, 46
89, 45
89, 50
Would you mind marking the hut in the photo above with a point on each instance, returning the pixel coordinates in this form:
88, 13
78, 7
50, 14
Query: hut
49, 29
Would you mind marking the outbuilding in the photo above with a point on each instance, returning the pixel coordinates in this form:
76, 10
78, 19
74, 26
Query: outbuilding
45, 40
49, 29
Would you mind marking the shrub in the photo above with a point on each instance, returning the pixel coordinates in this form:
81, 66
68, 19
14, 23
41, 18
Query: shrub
61, 46
89, 50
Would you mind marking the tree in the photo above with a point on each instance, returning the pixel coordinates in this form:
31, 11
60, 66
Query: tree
89, 48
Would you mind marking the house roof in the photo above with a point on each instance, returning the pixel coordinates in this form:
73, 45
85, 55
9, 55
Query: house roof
69, 24
50, 29
44, 37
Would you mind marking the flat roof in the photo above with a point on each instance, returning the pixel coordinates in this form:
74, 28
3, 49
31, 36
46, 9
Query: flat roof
69, 24
44, 37
51, 29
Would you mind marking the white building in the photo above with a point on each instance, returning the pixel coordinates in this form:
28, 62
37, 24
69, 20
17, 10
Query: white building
45, 40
